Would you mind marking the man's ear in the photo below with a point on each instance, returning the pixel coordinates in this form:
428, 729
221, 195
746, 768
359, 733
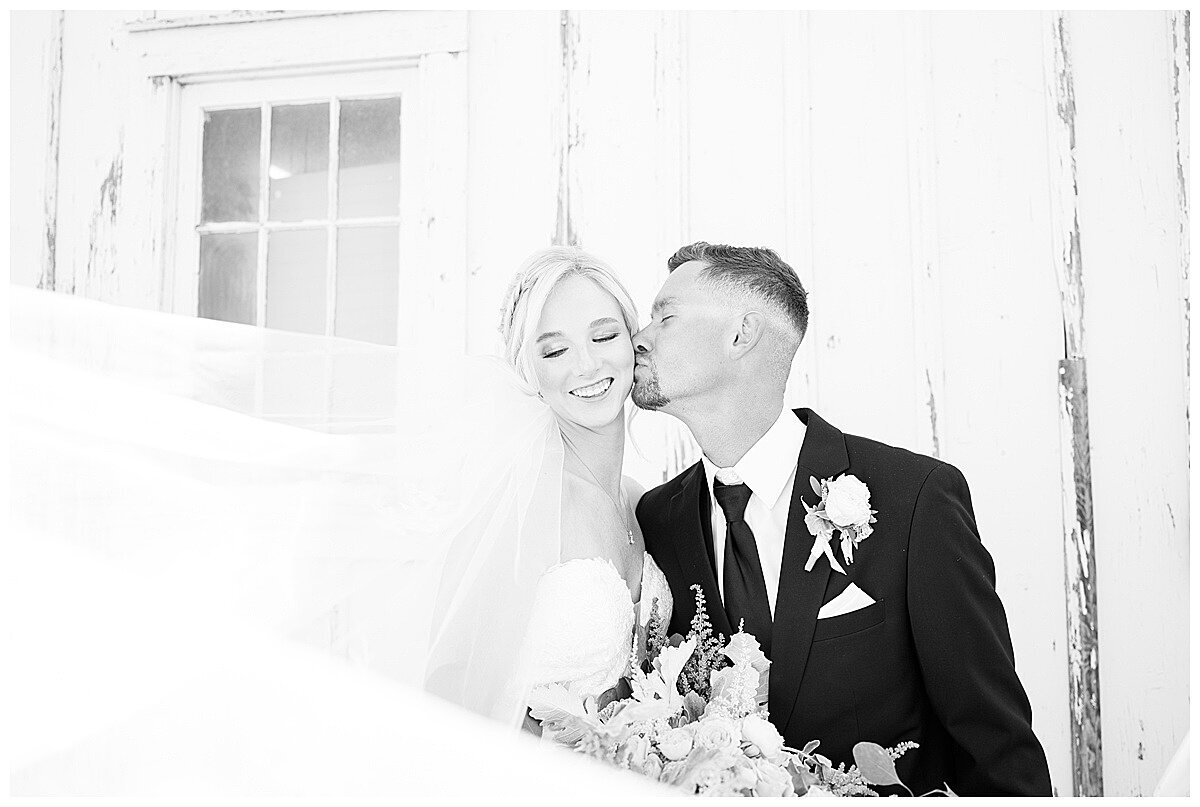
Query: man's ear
750, 331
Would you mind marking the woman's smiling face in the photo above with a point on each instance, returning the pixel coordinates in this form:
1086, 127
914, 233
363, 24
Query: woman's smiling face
583, 354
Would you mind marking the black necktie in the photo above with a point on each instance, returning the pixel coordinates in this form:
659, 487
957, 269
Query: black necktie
745, 586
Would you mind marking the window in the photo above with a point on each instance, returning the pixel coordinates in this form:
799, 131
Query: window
295, 221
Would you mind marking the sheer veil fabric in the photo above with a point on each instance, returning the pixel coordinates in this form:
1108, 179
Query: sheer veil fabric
270, 481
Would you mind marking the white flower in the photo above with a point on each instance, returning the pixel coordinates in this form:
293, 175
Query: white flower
745, 776
764, 735
848, 502
718, 733
633, 754
675, 744
816, 523
773, 780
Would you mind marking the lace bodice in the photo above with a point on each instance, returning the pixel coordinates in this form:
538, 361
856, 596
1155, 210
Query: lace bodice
584, 617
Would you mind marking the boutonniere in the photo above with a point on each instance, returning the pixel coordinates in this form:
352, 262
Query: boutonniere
845, 506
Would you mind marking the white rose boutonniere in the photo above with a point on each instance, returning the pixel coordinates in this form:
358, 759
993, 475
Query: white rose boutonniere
845, 507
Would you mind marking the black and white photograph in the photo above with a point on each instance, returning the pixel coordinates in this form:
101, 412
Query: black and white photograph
598, 404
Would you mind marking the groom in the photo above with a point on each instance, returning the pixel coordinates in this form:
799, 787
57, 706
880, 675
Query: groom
909, 641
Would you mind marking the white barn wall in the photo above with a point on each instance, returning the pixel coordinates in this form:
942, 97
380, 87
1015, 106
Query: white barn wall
615, 138
33, 90
512, 175
862, 287
901, 163
1001, 332
1131, 215
91, 164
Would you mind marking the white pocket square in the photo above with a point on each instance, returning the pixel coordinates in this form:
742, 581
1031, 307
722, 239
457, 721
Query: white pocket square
852, 599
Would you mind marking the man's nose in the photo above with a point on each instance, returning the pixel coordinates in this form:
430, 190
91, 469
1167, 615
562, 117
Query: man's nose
640, 343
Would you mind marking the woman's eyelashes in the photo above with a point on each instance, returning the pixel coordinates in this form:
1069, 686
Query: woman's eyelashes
554, 354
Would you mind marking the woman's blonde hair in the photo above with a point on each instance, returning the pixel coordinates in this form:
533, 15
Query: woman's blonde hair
531, 286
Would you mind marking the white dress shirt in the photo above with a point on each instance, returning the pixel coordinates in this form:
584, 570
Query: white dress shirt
769, 468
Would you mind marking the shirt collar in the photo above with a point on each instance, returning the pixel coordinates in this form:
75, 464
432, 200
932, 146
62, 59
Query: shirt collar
769, 463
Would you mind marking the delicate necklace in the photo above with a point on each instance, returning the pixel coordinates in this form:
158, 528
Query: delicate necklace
622, 508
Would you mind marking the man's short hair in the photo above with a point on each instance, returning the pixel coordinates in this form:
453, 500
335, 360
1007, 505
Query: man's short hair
755, 271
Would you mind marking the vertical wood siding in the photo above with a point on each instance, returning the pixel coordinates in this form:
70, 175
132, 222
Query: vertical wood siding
1131, 213
1083, 652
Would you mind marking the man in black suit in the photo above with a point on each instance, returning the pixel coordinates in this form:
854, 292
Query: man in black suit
905, 639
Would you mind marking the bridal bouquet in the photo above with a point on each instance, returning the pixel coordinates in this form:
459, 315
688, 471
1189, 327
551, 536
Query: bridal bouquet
696, 718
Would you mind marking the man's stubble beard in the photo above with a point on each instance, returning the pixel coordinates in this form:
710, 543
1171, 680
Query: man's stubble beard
648, 395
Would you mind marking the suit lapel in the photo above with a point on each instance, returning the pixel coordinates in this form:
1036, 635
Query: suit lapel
692, 547
823, 455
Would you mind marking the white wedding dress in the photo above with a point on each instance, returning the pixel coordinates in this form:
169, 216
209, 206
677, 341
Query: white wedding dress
585, 627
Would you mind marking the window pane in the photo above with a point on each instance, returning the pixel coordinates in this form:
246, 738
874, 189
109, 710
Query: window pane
230, 173
369, 157
368, 284
296, 281
299, 170
229, 277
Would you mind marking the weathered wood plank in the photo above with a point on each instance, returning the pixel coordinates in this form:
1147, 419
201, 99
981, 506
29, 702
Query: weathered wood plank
93, 120
36, 81
1001, 331
440, 163
927, 316
1181, 85
1131, 214
1083, 656
666, 445
735, 127
53, 141
571, 74
512, 181
302, 42
797, 159
861, 230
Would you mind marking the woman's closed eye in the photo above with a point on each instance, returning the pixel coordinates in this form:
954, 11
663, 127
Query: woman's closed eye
554, 354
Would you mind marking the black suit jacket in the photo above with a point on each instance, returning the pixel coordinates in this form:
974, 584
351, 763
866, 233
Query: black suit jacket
930, 661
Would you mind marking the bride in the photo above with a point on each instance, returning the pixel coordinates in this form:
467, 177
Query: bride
470, 532
577, 614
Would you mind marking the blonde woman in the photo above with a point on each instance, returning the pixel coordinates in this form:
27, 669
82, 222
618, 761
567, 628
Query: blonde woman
548, 587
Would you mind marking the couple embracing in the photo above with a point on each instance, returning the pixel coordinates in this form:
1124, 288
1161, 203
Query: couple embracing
897, 636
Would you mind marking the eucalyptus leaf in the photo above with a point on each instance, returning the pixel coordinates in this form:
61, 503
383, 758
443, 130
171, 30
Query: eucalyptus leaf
801, 778
811, 746
875, 764
694, 706
816, 486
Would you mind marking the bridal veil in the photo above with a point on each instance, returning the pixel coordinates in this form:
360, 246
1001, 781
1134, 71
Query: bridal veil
186, 492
